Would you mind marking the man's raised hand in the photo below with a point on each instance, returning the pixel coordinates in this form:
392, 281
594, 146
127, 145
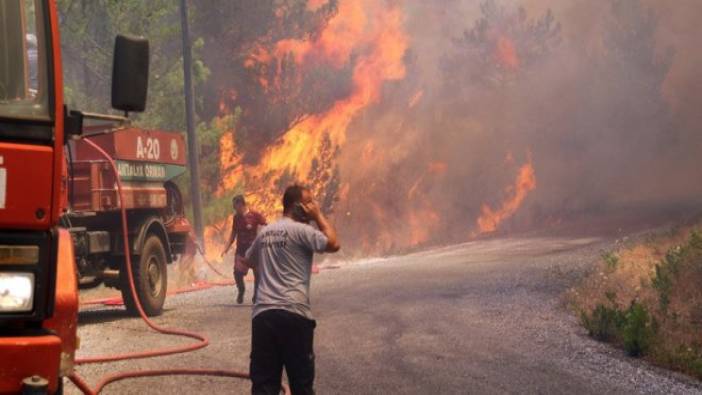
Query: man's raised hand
312, 209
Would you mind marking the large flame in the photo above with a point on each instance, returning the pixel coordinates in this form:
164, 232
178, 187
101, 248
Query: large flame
390, 211
490, 218
373, 32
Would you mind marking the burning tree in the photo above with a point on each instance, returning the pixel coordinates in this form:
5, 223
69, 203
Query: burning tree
411, 137
245, 112
486, 73
241, 39
320, 82
503, 43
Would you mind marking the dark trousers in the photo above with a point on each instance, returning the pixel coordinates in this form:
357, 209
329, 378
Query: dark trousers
282, 339
240, 283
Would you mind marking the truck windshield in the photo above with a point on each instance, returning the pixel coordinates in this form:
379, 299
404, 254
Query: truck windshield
24, 87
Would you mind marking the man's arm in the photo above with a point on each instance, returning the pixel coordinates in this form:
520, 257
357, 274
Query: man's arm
312, 209
232, 237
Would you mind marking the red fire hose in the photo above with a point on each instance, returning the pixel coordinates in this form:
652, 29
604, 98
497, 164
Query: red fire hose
202, 341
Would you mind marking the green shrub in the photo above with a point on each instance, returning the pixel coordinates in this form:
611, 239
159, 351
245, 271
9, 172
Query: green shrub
676, 260
648, 329
611, 260
634, 328
663, 283
695, 240
604, 323
638, 330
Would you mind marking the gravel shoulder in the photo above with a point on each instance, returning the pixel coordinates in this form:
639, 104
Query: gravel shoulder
481, 317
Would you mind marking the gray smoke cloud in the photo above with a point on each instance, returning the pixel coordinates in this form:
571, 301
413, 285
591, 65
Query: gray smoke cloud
602, 97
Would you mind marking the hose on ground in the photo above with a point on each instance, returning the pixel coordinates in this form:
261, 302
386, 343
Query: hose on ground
201, 340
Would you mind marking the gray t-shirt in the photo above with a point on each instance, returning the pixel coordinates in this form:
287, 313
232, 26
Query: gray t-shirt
282, 255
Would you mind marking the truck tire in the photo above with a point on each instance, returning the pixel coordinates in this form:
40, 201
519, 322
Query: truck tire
150, 278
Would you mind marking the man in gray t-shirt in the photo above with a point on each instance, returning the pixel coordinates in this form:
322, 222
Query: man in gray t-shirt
282, 328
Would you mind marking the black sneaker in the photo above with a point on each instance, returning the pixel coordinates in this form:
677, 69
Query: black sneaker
240, 298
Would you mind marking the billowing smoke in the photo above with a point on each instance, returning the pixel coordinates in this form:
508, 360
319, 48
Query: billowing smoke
421, 122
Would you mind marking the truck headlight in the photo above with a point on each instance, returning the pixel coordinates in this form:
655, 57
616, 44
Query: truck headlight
16, 292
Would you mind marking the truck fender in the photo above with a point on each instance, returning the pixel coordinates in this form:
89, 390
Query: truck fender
152, 225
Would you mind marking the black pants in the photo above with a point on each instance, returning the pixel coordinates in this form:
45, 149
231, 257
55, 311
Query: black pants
281, 338
240, 283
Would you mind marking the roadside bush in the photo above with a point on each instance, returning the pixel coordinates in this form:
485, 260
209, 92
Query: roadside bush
633, 328
638, 330
679, 261
659, 280
666, 271
611, 260
604, 324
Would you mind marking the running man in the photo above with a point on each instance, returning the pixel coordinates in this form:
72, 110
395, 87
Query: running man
245, 227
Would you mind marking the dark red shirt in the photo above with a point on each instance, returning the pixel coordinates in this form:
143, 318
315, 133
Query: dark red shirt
245, 227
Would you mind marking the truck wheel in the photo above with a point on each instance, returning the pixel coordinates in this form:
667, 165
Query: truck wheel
150, 278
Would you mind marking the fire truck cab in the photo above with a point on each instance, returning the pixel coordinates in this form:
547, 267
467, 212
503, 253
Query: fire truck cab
38, 271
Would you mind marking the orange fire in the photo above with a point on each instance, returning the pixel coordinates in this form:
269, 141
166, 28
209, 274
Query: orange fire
506, 53
490, 219
424, 219
373, 33
367, 37
422, 223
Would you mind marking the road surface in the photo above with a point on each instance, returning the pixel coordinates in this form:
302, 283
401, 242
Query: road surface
482, 317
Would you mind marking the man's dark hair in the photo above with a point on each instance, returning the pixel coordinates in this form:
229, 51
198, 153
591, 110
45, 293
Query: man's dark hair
239, 199
292, 195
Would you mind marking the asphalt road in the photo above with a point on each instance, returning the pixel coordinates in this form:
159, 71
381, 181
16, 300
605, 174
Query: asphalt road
482, 317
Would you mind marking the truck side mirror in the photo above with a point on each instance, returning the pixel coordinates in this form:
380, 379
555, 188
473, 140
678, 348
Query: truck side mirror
130, 73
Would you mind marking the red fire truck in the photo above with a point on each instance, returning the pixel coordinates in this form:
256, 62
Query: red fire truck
158, 230
58, 201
